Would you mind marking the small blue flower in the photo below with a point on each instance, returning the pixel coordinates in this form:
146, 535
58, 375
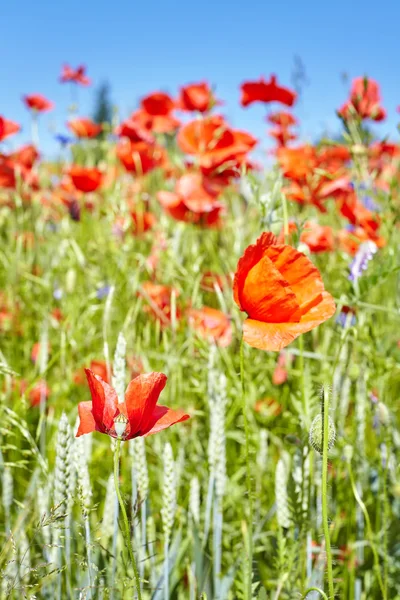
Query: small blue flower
344, 320
103, 292
58, 293
64, 140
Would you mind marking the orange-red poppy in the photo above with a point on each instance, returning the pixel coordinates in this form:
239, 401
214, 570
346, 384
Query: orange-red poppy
38, 103
268, 407
39, 391
282, 293
195, 200
266, 91
136, 130
140, 157
84, 127
85, 179
142, 221
196, 97
349, 240
364, 101
140, 413
282, 135
215, 144
282, 119
319, 238
26, 156
158, 301
98, 367
8, 128
77, 75
211, 324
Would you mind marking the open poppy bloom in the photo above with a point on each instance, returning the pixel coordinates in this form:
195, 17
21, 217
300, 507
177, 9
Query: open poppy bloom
266, 91
195, 200
77, 75
282, 293
158, 298
282, 135
7, 128
84, 128
217, 146
85, 179
140, 157
38, 103
196, 97
98, 367
319, 238
137, 416
211, 324
135, 129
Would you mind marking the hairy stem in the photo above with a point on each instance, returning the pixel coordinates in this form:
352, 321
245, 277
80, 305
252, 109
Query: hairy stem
126, 528
325, 441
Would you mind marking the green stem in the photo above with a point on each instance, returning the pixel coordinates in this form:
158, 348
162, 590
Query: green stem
285, 219
325, 442
248, 475
315, 589
369, 531
126, 528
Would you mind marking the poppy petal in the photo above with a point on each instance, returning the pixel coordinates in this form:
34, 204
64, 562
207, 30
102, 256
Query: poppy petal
141, 398
164, 417
87, 424
266, 294
251, 256
302, 276
105, 401
276, 336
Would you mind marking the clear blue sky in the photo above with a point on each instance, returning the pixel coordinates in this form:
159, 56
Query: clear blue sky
142, 46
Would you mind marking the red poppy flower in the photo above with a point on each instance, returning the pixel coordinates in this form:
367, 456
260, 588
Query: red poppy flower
38, 103
197, 96
282, 135
26, 156
158, 301
217, 146
158, 103
98, 367
135, 129
7, 173
364, 101
319, 238
77, 75
282, 293
140, 157
140, 413
142, 221
349, 240
7, 128
39, 391
85, 179
211, 324
268, 407
282, 119
194, 201
266, 91
84, 128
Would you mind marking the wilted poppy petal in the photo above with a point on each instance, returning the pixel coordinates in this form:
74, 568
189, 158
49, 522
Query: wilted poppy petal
251, 256
105, 401
141, 398
164, 417
87, 424
275, 336
266, 294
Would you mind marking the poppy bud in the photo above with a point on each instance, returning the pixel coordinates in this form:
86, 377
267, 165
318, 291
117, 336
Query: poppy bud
120, 423
316, 433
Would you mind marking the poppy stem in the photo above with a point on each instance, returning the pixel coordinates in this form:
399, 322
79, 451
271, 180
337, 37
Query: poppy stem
325, 442
248, 475
285, 219
126, 528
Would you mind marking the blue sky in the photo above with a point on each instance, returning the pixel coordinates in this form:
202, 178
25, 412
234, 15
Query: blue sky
145, 46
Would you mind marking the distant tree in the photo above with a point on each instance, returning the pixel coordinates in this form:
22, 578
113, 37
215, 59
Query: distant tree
103, 107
